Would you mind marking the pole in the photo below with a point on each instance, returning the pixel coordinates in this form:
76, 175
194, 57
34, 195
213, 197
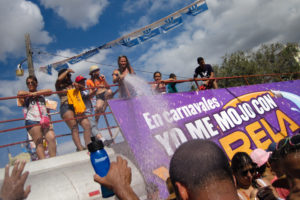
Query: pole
29, 55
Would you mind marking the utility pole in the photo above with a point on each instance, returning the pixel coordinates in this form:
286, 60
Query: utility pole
29, 55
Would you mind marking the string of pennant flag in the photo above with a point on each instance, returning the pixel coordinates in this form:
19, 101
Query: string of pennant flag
135, 38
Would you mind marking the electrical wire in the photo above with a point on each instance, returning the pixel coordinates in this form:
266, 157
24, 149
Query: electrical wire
102, 64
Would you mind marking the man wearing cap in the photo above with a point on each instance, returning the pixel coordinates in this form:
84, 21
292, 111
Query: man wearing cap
86, 97
98, 83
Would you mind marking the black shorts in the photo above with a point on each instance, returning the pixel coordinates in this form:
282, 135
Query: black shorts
101, 96
64, 108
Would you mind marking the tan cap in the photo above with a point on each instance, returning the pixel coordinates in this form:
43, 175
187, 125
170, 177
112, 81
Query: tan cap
93, 68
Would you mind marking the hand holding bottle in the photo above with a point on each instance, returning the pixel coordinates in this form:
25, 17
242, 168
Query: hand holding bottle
118, 174
118, 179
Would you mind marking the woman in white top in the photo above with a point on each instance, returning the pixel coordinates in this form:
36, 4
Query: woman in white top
35, 105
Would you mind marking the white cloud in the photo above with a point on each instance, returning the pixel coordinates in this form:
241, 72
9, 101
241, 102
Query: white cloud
227, 26
17, 18
131, 6
151, 8
6, 110
77, 13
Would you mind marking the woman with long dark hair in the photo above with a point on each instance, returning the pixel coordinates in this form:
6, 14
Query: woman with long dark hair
118, 77
124, 66
36, 110
67, 112
243, 170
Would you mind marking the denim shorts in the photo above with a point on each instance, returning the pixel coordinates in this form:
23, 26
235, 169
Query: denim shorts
64, 108
30, 122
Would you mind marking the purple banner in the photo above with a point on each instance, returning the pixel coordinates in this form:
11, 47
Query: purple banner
237, 119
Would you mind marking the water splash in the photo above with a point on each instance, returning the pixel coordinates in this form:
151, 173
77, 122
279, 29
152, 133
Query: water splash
290, 96
153, 103
139, 86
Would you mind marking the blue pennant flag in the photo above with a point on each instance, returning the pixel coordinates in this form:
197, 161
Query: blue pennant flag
105, 46
197, 9
46, 69
171, 23
137, 37
149, 33
128, 42
60, 66
49, 69
84, 56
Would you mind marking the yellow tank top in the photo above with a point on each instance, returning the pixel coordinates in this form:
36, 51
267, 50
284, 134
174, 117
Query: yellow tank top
74, 97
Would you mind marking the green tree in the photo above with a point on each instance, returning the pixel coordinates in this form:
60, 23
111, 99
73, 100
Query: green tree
268, 59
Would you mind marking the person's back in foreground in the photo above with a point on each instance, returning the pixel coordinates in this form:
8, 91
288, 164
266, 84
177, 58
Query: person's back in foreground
199, 170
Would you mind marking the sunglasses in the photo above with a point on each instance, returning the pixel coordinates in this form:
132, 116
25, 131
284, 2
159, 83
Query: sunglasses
31, 83
115, 74
245, 172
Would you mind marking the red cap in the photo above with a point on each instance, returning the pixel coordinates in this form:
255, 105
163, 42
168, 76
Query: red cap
79, 78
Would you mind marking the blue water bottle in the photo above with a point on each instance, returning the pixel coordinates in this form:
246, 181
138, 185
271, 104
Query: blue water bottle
100, 162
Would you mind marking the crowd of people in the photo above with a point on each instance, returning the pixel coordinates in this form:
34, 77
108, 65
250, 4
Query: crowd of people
76, 107
200, 170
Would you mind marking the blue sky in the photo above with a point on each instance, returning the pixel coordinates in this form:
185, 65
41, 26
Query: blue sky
67, 28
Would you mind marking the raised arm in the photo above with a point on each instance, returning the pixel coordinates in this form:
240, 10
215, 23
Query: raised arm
64, 74
62, 77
